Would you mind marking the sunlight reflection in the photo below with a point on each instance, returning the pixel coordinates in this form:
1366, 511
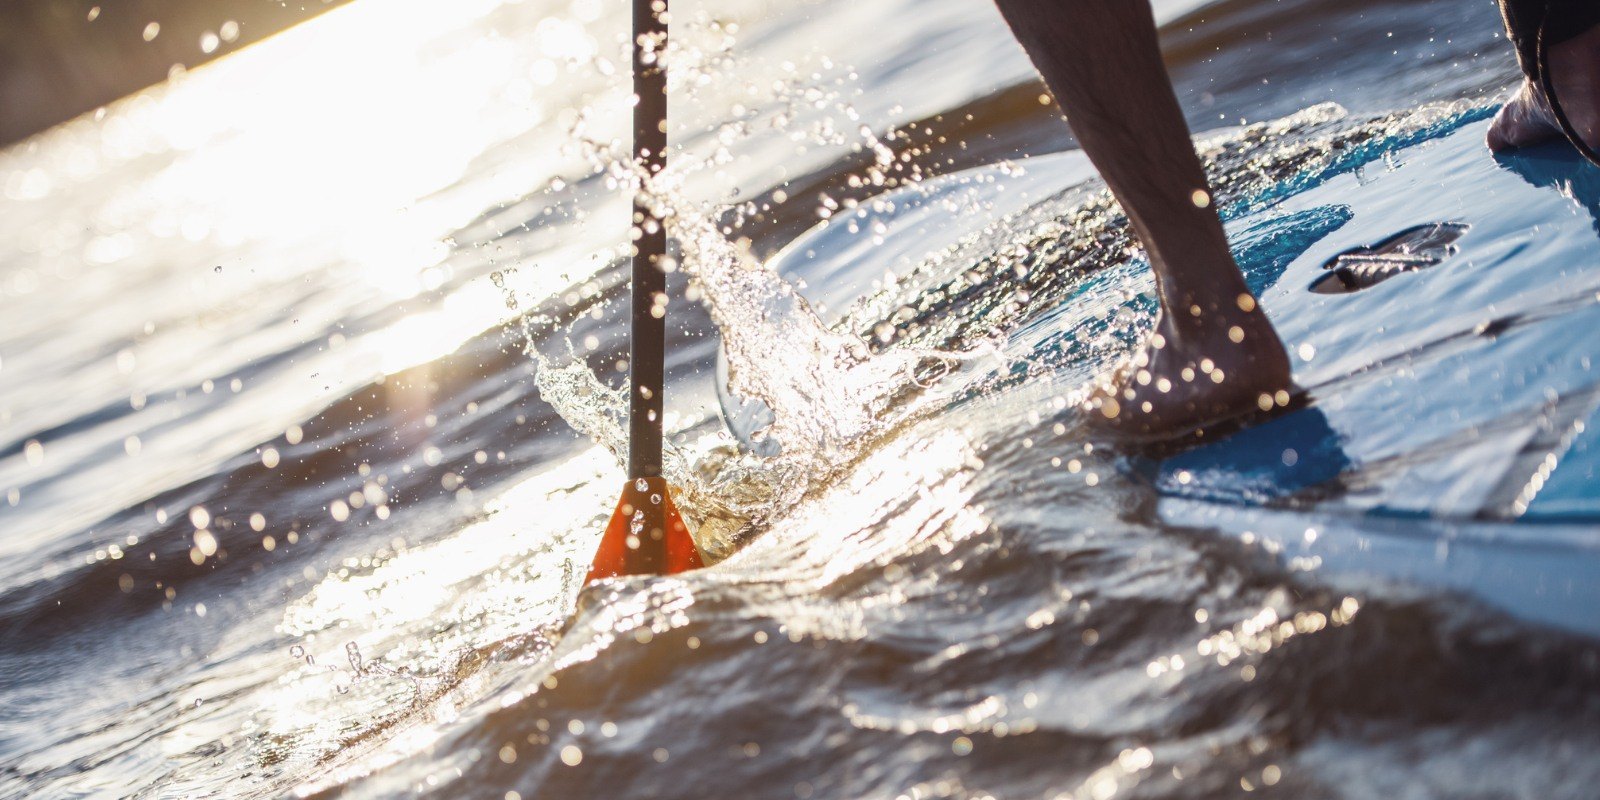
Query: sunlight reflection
538, 519
425, 608
438, 330
323, 118
912, 494
468, 311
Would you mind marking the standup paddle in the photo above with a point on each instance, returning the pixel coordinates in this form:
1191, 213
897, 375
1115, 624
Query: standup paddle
646, 536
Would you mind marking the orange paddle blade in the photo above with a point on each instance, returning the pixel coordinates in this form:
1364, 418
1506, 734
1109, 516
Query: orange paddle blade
646, 536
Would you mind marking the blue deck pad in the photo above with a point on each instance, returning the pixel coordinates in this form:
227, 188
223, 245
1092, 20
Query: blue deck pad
1105, 303
1449, 390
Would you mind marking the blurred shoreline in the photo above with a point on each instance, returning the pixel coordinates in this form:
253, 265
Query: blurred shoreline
62, 59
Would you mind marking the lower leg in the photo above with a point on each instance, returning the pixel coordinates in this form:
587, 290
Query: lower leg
1213, 353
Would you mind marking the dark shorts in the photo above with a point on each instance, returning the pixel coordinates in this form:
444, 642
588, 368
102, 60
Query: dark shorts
1561, 19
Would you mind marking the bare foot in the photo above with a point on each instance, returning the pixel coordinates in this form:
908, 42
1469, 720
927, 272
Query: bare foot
1523, 121
1199, 366
1526, 119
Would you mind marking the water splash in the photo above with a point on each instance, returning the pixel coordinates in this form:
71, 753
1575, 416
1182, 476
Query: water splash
826, 390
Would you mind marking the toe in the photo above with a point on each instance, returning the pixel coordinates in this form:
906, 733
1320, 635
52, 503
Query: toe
1522, 121
1499, 137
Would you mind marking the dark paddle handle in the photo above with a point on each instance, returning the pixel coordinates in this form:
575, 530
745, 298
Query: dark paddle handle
649, 325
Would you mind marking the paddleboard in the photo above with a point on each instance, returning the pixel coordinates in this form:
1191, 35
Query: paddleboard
1441, 306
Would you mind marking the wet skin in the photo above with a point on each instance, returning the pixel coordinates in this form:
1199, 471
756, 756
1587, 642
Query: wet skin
1212, 355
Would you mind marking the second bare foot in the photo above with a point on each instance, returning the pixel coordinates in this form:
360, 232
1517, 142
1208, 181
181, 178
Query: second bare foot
1527, 119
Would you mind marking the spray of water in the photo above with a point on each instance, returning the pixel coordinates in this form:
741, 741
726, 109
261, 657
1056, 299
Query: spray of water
828, 391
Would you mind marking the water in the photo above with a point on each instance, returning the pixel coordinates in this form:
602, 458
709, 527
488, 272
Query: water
289, 509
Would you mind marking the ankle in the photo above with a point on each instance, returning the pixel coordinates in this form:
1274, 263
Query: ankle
1204, 316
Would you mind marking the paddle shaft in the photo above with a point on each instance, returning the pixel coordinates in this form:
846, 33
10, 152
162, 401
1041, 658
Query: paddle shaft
646, 373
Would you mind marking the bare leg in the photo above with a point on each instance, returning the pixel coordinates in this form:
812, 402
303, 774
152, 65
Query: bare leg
1213, 354
1575, 70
